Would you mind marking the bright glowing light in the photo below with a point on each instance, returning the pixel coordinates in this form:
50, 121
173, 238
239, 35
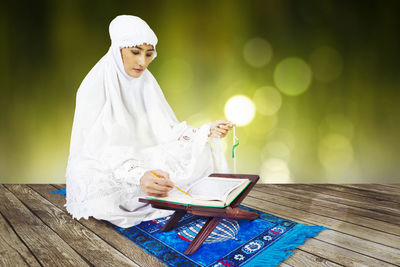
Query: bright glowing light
268, 100
257, 52
335, 152
275, 171
326, 64
240, 110
292, 76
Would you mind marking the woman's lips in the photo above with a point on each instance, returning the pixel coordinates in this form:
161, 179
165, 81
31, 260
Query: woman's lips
138, 70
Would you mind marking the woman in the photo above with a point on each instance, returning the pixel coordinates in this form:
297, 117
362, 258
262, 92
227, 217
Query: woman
124, 128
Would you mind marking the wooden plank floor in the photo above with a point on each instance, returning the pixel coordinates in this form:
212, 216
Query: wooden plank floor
364, 222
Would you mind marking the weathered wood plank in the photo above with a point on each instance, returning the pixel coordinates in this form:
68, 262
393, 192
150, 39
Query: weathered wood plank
376, 188
392, 185
361, 192
387, 207
362, 246
348, 240
293, 207
315, 246
342, 256
352, 233
325, 201
303, 258
338, 202
311, 206
13, 252
48, 248
124, 245
77, 236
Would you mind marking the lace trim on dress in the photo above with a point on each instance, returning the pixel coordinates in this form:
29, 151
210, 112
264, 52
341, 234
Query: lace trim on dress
90, 191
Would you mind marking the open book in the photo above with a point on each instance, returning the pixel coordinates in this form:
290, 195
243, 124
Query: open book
209, 191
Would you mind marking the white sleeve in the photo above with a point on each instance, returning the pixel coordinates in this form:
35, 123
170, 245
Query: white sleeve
190, 132
97, 187
215, 144
129, 172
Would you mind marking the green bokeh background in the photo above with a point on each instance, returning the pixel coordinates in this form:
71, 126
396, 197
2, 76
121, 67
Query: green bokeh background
343, 128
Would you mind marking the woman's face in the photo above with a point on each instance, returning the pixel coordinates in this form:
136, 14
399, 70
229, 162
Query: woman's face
136, 59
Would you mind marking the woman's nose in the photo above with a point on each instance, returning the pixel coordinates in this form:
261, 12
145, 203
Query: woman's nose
141, 61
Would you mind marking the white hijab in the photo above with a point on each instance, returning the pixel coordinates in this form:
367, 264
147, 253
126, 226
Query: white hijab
120, 119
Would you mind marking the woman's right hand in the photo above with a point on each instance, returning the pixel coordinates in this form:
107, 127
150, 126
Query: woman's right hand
220, 128
154, 186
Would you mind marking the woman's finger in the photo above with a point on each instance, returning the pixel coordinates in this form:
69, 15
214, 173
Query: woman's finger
222, 123
158, 194
156, 191
165, 183
217, 133
228, 125
162, 173
221, 131
160, 187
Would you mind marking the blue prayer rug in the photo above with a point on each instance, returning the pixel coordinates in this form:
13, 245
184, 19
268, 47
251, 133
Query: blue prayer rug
265, 241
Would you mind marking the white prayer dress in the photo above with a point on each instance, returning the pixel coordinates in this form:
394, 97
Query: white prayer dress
123, 127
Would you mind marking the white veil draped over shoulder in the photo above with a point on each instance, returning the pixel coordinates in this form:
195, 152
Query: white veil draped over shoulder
123, 126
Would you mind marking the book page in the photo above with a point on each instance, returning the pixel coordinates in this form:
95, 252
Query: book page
208, 191
214, 188
176, 196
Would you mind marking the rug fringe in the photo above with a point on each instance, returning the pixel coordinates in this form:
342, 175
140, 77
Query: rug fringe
284, 248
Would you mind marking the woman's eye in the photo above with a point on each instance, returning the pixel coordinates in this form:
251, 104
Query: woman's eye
149, 55
135, 52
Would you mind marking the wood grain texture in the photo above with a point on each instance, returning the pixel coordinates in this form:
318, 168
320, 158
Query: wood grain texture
46, 245
392, 185
13, 251
310, 205
303, 258
118, 241
296, 209
328, 252
364, 223
381, 206
383, 189
361, 192
73, 233
348, 241
331, 202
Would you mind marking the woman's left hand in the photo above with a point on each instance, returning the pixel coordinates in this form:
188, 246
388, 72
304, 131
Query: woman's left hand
220, 128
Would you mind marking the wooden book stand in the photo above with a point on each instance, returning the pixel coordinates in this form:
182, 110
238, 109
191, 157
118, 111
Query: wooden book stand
214, 214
